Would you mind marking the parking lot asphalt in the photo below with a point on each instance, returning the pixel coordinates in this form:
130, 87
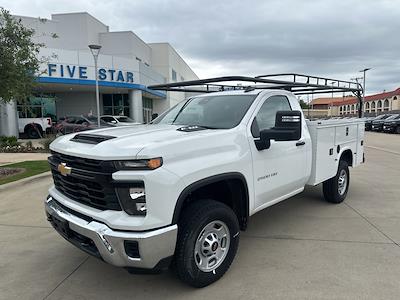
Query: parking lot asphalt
302, 248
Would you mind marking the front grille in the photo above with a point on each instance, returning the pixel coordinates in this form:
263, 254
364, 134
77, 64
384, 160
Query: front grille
89, 183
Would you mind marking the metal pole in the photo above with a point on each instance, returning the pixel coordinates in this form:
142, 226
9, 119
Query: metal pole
363, 97
97, 92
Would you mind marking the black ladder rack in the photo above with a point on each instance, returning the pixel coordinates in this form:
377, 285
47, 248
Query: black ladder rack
298, 84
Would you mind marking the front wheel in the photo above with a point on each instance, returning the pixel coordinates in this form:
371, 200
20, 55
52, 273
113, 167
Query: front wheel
208, 239
335, 189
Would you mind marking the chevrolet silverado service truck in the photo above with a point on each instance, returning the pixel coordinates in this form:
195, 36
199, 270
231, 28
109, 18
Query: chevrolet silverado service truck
177, 192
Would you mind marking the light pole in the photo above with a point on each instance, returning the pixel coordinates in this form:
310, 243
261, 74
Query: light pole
364, 71
332, 83
95, 49
356, 80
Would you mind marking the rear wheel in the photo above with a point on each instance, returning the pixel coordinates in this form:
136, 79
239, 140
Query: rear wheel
398, 129
33, 133
208, 239
335, 189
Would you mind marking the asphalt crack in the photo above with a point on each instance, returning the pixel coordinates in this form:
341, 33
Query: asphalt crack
314, 240
372, 224
69, 275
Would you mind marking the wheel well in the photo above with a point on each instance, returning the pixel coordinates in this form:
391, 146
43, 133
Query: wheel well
347, 156
230, 189
32, 125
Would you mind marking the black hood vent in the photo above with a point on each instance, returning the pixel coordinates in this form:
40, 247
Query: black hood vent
91, 138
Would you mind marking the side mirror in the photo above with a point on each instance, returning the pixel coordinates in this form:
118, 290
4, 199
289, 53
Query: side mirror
153, 116
287, 128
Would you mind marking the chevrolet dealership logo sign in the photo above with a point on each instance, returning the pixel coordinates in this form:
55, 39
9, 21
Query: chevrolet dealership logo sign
63, 169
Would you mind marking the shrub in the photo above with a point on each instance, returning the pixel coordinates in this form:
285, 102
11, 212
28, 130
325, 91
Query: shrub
46, 143
29, 145
9, 142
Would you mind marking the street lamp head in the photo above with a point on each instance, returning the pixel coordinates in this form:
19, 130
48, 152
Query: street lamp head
95, 49
365, 70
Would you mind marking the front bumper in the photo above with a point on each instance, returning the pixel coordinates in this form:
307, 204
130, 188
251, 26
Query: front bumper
376, 127
103, 242
389, 128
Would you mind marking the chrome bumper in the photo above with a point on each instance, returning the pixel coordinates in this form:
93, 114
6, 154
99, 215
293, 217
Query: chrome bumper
153, 245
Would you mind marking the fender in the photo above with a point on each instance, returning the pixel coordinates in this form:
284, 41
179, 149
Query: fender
208, 180
340, 152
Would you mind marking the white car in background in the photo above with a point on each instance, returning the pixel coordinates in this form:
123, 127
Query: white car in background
119, 120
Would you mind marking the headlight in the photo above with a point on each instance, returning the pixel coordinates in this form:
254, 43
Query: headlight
132, 197
139, 164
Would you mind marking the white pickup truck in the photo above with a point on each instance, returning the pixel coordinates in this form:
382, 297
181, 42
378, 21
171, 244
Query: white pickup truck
34, 127
180, 190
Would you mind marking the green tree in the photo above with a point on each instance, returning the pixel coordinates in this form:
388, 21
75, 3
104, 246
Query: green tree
303, 104
19, 58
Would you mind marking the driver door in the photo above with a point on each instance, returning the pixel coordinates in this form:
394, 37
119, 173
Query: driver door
280, 170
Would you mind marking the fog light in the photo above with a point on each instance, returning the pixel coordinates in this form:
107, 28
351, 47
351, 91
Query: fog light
137, 192
141, 207
132, 197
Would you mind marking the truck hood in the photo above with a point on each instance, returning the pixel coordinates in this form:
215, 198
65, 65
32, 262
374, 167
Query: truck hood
125, 142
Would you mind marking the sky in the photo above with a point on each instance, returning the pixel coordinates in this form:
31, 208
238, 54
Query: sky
322, 37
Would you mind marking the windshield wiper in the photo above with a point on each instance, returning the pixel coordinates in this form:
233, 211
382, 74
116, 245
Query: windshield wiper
179, 112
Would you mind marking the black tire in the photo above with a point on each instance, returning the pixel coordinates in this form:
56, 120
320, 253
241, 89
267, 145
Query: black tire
397, 130
192, 222
331, 186
33, 133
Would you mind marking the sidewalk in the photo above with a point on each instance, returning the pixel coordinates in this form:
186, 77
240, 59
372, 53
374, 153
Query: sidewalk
7, 158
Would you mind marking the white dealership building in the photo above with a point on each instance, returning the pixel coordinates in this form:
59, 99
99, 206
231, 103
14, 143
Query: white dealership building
126, 66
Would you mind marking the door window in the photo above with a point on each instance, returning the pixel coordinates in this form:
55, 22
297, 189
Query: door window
265, 118
108, 119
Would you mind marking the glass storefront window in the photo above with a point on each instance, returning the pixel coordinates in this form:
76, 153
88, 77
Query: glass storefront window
116, 104
38, 106
147, 109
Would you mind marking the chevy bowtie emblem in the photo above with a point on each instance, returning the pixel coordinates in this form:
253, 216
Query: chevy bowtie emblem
63, 169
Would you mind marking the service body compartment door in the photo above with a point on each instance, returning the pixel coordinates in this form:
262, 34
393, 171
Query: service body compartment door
323, 154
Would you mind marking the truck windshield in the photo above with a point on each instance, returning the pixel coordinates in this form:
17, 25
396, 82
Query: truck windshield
214, 112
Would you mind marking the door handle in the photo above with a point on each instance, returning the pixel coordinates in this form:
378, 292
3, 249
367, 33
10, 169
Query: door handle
300, 143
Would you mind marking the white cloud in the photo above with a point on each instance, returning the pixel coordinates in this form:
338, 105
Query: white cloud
326, 38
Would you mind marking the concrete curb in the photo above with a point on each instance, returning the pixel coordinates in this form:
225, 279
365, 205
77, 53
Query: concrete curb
24, 180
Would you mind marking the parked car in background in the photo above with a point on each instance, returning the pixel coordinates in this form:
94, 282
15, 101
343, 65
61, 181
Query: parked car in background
34, 127
72, 124
368, 122
377, 124
119, 120
392, 124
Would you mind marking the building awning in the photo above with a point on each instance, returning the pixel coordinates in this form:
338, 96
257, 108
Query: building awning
111, 84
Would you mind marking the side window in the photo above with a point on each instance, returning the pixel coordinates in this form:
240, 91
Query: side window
107, 119
265, 118
71, 120
79, 121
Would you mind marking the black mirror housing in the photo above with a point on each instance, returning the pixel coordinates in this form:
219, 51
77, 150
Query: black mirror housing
287, 128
